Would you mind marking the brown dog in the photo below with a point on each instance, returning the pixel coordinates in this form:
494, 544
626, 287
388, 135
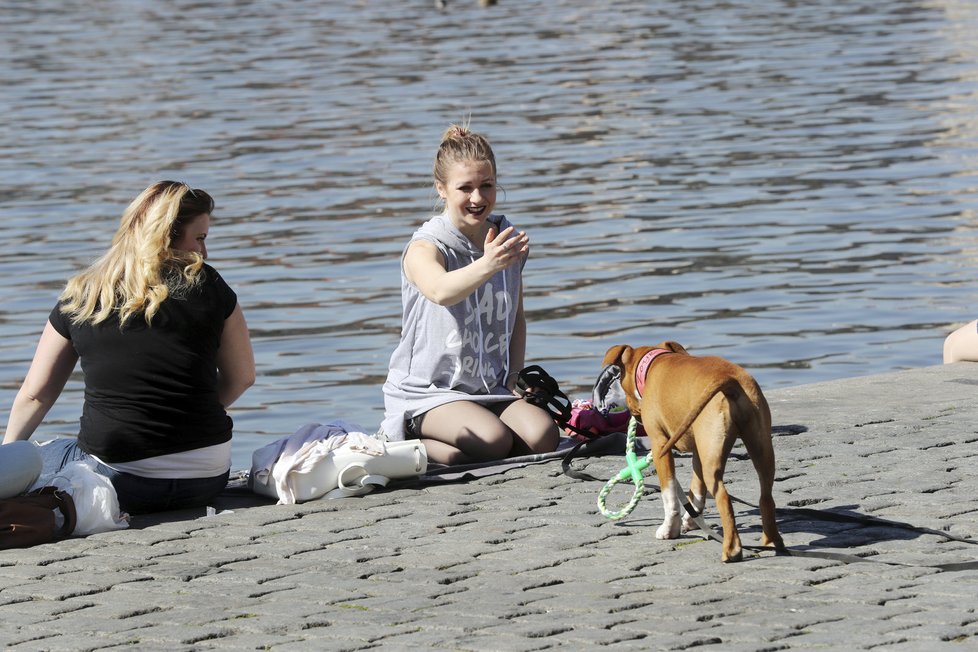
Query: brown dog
699, 405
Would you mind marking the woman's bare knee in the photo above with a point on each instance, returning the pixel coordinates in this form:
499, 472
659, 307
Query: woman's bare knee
543, 440
472, 429
441, 453
492, 442
547, 440
535, 429
962, 344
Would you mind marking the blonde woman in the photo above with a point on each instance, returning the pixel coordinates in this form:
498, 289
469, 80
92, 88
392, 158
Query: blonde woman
463, 335
164, 350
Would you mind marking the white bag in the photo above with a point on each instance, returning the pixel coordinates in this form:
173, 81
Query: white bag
336, 460
96, 501
355, 473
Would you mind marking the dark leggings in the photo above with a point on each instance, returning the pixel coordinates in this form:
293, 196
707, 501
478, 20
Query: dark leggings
137, 495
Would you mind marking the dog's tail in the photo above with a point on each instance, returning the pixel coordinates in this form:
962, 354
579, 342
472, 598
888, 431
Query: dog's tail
726, 385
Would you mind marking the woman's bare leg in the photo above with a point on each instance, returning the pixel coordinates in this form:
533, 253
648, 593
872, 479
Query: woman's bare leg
535, 430
463, 431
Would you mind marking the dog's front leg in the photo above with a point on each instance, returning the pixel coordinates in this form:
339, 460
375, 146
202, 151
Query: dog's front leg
671, 503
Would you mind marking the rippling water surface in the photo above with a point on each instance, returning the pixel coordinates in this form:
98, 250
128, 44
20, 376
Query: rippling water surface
790, 185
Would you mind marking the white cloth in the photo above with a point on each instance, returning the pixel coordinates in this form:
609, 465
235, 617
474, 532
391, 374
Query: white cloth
206, 462
298, 453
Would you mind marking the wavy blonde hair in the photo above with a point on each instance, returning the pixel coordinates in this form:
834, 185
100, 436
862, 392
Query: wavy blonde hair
141, 269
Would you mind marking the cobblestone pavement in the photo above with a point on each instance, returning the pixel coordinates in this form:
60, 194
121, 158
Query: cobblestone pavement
523, 560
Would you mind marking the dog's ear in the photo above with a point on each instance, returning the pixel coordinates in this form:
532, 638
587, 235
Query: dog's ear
626, 355
675, 347
617, 355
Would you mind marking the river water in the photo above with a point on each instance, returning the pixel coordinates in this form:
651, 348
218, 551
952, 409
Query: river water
790, 185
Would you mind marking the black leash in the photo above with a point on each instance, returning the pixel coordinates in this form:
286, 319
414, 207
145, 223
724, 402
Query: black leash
539, 388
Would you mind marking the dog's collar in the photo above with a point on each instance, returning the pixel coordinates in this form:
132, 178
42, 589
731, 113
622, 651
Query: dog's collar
643, 369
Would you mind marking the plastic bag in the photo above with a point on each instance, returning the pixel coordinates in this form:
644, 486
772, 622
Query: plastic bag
96, 502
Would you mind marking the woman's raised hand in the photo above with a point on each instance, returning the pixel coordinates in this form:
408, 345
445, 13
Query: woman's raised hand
505, 248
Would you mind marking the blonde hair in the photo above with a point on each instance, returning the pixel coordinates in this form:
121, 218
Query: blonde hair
140, 269
459, 145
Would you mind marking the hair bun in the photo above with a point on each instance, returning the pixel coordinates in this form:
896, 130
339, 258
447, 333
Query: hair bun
459, 144
456, 132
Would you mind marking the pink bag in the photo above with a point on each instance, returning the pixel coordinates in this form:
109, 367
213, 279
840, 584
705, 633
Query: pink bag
585, 416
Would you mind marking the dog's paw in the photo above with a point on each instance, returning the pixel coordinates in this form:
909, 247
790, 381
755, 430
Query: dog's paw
735, 556
668, 530
689, 524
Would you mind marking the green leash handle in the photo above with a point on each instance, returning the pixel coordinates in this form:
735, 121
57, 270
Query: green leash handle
631, 472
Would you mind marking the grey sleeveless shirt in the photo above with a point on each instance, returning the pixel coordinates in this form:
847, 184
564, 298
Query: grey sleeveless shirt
451, 353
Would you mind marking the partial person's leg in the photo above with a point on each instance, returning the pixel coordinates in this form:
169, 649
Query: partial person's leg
139, 495
462, 432
536, 431
198, 492
20, 466
962, 344
59, 453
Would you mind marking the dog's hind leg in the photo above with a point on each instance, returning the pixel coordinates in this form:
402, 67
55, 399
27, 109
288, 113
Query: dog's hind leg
697, 495
713, 476
756, 435
761, 452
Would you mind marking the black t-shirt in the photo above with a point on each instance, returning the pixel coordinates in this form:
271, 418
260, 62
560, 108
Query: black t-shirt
152, 389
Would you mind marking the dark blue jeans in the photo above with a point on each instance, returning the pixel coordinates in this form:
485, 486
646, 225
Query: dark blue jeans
137, 495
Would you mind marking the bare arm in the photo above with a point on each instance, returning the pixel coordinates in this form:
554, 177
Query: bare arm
517, 345
235, 359
53, 363
424, 266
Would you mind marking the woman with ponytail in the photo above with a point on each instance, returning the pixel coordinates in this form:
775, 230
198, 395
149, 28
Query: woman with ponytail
463, 338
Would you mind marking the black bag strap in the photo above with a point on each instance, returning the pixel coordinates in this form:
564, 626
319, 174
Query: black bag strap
539, 388
62, 500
